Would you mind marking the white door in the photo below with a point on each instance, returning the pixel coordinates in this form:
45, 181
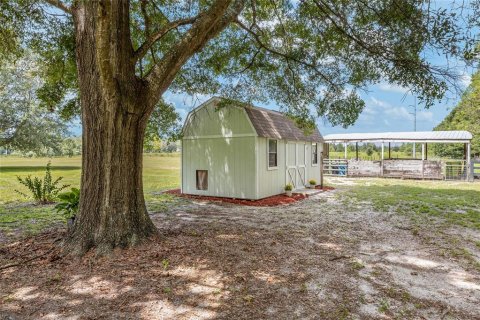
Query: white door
291, 161
301, 165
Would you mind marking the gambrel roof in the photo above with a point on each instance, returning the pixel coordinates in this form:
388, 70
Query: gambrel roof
268, 123
276, 125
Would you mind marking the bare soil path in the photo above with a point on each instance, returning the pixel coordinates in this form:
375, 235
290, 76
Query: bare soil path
315, 259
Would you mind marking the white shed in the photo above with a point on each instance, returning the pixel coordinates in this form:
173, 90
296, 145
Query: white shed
246, 152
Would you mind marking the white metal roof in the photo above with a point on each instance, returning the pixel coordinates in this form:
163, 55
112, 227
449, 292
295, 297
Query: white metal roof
418, 136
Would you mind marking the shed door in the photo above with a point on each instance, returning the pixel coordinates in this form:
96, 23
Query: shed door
301, 164
291, 160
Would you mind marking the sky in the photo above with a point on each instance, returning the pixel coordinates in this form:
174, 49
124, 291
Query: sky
387, 108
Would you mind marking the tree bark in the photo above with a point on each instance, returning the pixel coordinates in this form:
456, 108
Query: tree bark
112, 208
116, 105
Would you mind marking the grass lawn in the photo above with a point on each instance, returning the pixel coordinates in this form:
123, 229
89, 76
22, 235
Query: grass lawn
453, 202
18, 214
371, 249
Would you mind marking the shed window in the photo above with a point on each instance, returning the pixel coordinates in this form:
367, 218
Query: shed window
272, 153
314, 153
202, 179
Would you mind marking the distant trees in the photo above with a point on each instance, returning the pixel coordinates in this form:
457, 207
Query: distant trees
465, 116
24, 125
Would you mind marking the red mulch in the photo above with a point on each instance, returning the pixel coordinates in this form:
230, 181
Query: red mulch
281, 199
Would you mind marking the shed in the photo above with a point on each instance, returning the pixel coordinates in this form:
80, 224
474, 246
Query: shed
241, 151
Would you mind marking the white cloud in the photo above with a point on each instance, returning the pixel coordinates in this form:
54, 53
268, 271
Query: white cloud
380, 103
400, 113
392, 88
425, 116
466, 79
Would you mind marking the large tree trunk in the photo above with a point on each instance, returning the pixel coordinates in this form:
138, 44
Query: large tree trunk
114, 116
116, 105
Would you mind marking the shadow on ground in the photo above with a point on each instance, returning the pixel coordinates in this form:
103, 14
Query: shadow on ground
305, 261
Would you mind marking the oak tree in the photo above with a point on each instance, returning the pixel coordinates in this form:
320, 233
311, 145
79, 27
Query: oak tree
112, 60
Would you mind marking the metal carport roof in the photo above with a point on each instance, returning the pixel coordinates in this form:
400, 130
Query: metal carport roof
414, 136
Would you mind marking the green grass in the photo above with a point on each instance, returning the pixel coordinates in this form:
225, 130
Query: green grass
19, 215
453, 202
159, 173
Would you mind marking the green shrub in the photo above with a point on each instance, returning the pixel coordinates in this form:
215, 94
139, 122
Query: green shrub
69, 201
43, 191
313, 182
288, 187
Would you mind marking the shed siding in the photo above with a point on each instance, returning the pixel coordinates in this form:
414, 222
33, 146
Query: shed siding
270, 182
224, 122
230, 163
313, 171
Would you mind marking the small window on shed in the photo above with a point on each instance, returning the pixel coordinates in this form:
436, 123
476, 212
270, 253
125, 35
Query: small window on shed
272, 153
202, 179
314, 153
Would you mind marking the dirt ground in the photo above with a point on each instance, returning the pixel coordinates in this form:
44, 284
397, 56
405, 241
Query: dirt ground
314, 259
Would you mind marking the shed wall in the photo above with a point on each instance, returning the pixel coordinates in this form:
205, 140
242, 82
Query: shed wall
230, 163
290, 154
270, 181
221, 141
223, 122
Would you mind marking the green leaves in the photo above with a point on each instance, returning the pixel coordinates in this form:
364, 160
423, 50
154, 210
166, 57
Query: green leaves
24, 125
43, 191
465, 116
164, 124
310, 57
69, 202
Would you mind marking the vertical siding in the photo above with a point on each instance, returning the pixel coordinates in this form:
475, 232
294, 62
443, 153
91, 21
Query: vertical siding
223, 142
270, 182
313, 171
210, 121
230, 163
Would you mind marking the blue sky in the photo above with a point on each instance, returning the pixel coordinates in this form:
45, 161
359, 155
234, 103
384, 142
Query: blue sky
388, 108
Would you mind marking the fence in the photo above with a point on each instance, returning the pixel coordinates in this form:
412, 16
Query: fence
335, 167
455, 170
476, 168
414, 169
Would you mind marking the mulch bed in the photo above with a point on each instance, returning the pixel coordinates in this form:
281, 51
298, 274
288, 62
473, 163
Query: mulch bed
277, 200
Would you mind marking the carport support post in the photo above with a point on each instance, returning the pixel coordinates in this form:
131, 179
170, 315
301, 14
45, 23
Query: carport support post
345, 147
356, 150
469, 163
383, 156
423, 151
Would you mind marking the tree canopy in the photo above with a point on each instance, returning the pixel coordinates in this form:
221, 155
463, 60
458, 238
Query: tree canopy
311, 57
24, 125
465, 116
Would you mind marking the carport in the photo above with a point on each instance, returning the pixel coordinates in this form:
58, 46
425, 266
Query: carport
423, 168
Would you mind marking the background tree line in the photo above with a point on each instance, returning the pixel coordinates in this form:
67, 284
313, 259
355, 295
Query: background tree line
29, 128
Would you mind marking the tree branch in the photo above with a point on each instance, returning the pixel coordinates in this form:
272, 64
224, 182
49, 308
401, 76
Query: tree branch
59, 5
143, 49
206, 26
284, 55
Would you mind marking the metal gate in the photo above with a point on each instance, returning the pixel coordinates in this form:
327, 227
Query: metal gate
455, 170
335, 167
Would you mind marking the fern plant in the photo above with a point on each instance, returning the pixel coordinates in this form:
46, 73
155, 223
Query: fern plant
42, 190
68, 204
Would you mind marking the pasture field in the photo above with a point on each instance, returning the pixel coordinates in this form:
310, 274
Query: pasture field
19, 215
